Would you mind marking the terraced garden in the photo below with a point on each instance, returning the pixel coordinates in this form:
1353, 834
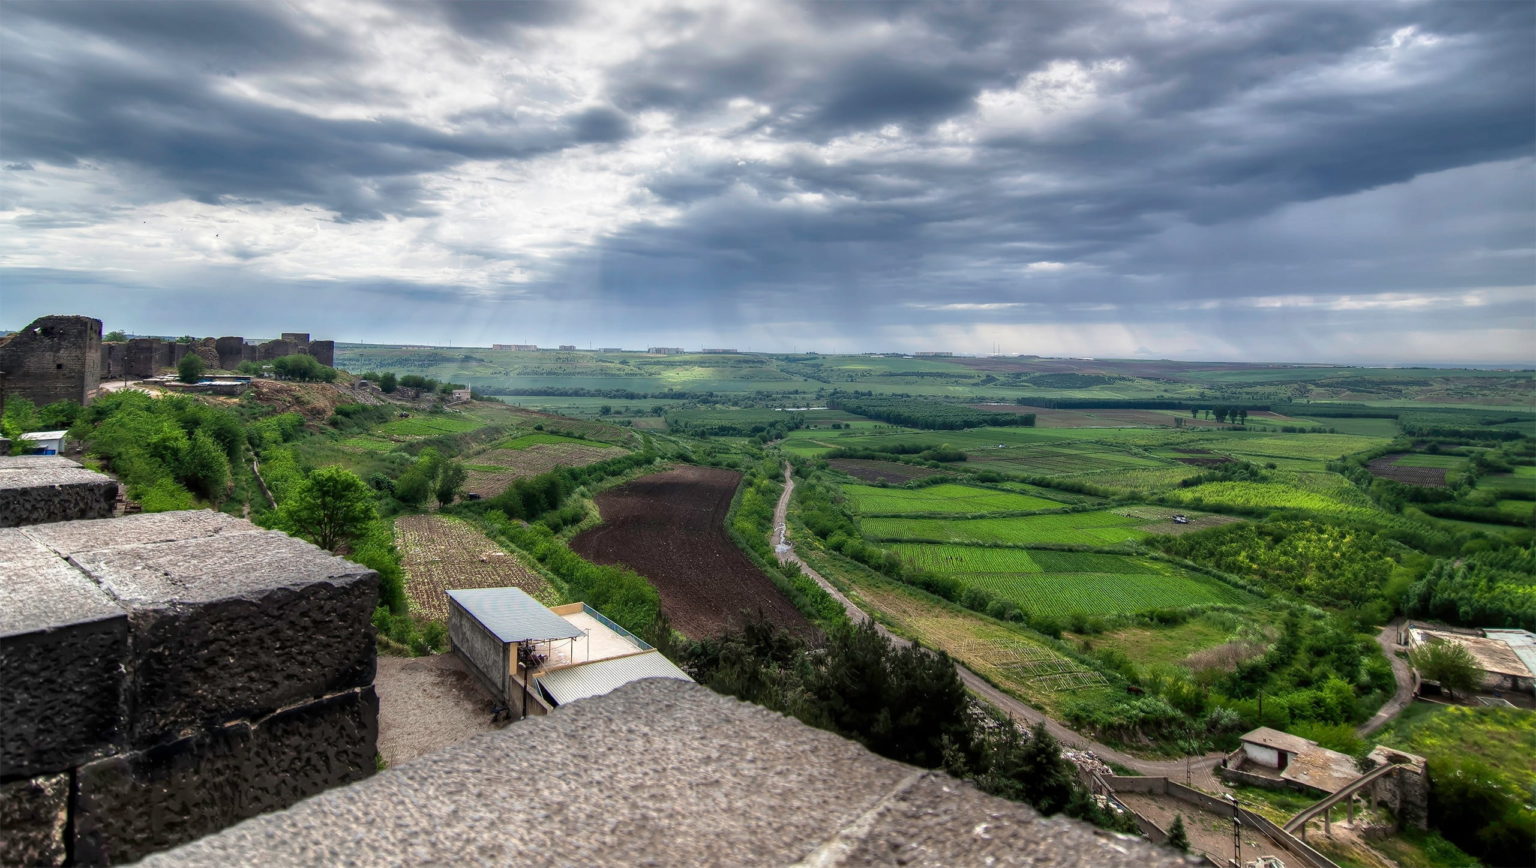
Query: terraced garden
492, 470
441, 553
962, 499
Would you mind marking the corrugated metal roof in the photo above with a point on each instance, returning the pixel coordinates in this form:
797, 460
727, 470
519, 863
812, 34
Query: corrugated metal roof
513, 616
601, 676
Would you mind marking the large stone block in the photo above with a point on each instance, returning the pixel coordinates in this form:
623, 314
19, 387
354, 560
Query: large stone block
45, 488
63, 650
134, 804
231, 352
233, 622
34, 819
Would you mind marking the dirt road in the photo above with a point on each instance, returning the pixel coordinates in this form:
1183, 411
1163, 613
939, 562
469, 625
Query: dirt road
1407, 681
1197, 769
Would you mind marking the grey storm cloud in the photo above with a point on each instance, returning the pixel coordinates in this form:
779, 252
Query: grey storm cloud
893, 163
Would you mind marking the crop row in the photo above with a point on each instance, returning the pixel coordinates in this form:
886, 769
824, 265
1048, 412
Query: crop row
441, 554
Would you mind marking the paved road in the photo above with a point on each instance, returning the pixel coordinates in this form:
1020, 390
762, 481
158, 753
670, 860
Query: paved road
1407, 681
1197, 768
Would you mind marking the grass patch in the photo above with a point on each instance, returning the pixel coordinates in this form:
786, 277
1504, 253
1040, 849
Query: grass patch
942, 498
1095, 528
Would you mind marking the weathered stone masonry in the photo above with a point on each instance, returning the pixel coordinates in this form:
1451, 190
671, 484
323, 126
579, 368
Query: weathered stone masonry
165, 675
55, 358
42, 488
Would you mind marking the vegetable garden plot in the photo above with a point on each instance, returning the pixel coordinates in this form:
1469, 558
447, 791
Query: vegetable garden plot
942, 498
1095, 593
441, 553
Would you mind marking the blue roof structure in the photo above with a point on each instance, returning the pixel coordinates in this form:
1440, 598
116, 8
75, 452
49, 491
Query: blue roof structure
513, 616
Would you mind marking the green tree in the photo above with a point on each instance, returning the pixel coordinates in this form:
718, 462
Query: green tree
413, 487
330, 507
115, 335
190, 368
206, 470
1178, 836
186, 339
388, 382
1448, 663
450, 478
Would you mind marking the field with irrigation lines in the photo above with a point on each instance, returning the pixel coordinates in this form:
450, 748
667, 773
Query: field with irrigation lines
872, 500
441, 553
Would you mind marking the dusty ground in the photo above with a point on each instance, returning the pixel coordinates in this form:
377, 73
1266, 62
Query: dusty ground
1208, 833
669, 527
427, 703
892, 472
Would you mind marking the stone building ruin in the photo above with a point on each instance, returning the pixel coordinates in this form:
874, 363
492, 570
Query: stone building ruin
55, 358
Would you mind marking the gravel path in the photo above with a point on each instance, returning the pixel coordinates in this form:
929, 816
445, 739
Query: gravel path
427, 703
1407, 682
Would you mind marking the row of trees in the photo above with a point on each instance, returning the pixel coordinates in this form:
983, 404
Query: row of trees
389, 383
906, 703
927, 414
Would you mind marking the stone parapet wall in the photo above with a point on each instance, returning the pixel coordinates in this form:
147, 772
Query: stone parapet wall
184, 670
43, 488
662, 772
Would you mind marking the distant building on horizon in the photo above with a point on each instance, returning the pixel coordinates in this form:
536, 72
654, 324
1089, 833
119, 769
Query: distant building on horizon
568, 347
517, 348
718, 350
934, 355
665, 351
611, 349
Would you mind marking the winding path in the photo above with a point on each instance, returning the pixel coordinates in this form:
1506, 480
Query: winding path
1197, 768
1407, 680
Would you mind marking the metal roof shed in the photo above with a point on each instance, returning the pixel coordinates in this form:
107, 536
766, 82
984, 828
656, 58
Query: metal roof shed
486, 625
583, 680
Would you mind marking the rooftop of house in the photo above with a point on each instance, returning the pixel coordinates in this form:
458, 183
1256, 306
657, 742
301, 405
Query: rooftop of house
1493, 655
1274, 738
661, 772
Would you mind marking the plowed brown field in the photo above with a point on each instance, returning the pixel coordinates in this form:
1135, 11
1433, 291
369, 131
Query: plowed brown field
670, 528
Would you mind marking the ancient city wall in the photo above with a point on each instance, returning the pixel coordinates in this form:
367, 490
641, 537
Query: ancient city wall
167, 675
147, 357
55, 358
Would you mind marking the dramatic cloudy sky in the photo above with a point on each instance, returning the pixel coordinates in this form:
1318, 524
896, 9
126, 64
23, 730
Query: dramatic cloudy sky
1350, 181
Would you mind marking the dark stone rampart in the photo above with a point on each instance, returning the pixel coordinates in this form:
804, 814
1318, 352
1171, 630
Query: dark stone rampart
54, 358
187, 670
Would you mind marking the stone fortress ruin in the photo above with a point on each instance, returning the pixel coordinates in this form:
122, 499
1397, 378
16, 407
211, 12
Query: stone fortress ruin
57, 358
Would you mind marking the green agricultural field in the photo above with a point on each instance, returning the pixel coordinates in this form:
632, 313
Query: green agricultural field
1366, 427
1067, 583
870, 500
429, 426
1096, 528
526, 440
1320, 492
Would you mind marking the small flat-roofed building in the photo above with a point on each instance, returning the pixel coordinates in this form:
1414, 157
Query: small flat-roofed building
1272, 748
1290, 760
44, 442
534, 659
459, 396
1502, 655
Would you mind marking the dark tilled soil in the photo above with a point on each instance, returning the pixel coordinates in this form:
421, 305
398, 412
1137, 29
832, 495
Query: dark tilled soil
1386, 468
880, 471
669, 527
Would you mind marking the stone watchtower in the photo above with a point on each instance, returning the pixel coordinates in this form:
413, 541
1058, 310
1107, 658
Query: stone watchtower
55, 358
